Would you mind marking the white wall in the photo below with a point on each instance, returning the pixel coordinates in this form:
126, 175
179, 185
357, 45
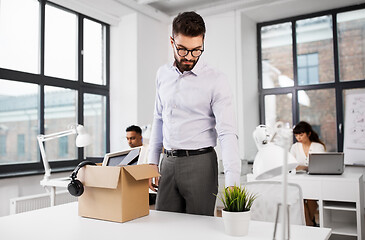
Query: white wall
138, 48
123, 80
230, 46
153, 44
248, 84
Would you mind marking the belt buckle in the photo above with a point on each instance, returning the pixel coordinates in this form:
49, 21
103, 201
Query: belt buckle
172, 153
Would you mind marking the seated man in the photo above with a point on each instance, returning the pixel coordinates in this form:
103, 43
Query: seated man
134, 138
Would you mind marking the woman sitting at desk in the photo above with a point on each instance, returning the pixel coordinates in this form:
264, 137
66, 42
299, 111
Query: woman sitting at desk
308, 142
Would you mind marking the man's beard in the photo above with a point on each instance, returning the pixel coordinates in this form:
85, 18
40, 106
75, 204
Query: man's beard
185, 67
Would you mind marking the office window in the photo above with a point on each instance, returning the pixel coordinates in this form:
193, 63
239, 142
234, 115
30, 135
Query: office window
277, 55
44, 80
21, 145
326, 65
94, 52
60, 43
63, 147
308, 69
19, 115
59, 115
95, 112
314, 35
278, 108
2, 146
351, 44
19, 35
321, 113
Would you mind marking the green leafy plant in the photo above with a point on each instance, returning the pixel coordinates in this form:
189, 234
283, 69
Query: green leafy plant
237, 199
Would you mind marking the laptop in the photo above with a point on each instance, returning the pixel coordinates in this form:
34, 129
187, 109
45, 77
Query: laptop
326, 163
122, 158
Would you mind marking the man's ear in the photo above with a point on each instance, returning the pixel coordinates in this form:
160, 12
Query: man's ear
171, 41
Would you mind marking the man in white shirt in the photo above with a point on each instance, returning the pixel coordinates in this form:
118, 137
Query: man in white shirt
134, 138
193, 107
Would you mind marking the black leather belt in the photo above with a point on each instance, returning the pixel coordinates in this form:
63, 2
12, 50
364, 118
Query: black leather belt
186, 153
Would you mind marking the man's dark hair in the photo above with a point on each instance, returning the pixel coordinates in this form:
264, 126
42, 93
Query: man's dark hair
134, 128
188, 24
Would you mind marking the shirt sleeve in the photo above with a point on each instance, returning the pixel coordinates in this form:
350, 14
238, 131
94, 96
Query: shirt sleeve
156, 139
292, 150
226, 126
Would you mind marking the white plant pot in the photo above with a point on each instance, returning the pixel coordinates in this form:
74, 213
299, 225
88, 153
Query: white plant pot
236, 223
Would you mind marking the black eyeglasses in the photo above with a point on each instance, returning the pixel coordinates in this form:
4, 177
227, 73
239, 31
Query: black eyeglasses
182, 52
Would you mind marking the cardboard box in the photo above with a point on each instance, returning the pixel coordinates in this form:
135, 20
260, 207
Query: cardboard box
116, 194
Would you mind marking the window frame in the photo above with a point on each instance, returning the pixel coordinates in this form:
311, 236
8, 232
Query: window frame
34, 168
337, 85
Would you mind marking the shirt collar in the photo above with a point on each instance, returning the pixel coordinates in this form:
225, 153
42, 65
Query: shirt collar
196, 70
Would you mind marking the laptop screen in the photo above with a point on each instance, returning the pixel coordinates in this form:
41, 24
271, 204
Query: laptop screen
326, 163
123, 158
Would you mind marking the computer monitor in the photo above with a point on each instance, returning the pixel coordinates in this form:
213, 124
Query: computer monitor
122, 158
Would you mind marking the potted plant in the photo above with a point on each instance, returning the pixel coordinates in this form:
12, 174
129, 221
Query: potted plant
236, 215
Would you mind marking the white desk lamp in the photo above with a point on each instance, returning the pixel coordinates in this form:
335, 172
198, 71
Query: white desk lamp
83, 139
272, 160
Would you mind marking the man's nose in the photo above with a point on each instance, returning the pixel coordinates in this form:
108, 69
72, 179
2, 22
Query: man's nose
189, 56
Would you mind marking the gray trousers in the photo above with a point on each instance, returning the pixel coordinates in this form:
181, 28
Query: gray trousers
188, 184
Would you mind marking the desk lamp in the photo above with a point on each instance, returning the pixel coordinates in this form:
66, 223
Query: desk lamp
272, 160
83, 139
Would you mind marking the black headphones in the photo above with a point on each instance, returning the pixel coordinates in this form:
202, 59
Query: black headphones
75, 187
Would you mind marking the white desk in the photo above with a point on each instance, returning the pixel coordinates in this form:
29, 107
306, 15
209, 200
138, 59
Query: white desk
63, 223
340, 200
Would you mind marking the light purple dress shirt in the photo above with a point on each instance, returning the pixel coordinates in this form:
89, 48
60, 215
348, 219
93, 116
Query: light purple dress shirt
192, 109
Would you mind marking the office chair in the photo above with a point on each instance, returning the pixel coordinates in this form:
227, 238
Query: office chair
269, 195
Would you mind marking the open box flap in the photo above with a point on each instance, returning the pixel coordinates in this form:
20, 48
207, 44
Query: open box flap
143, 171
102, 177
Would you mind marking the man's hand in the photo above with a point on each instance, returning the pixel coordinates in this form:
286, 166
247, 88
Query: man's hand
153, 185
299, 168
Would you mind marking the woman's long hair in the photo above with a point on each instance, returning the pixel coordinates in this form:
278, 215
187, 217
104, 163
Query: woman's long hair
304, 127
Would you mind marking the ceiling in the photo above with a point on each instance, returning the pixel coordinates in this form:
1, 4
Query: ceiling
258, 10
173, 7
165, 10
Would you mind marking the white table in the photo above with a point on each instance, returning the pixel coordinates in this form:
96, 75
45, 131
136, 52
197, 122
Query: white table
63, 223
340, 200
